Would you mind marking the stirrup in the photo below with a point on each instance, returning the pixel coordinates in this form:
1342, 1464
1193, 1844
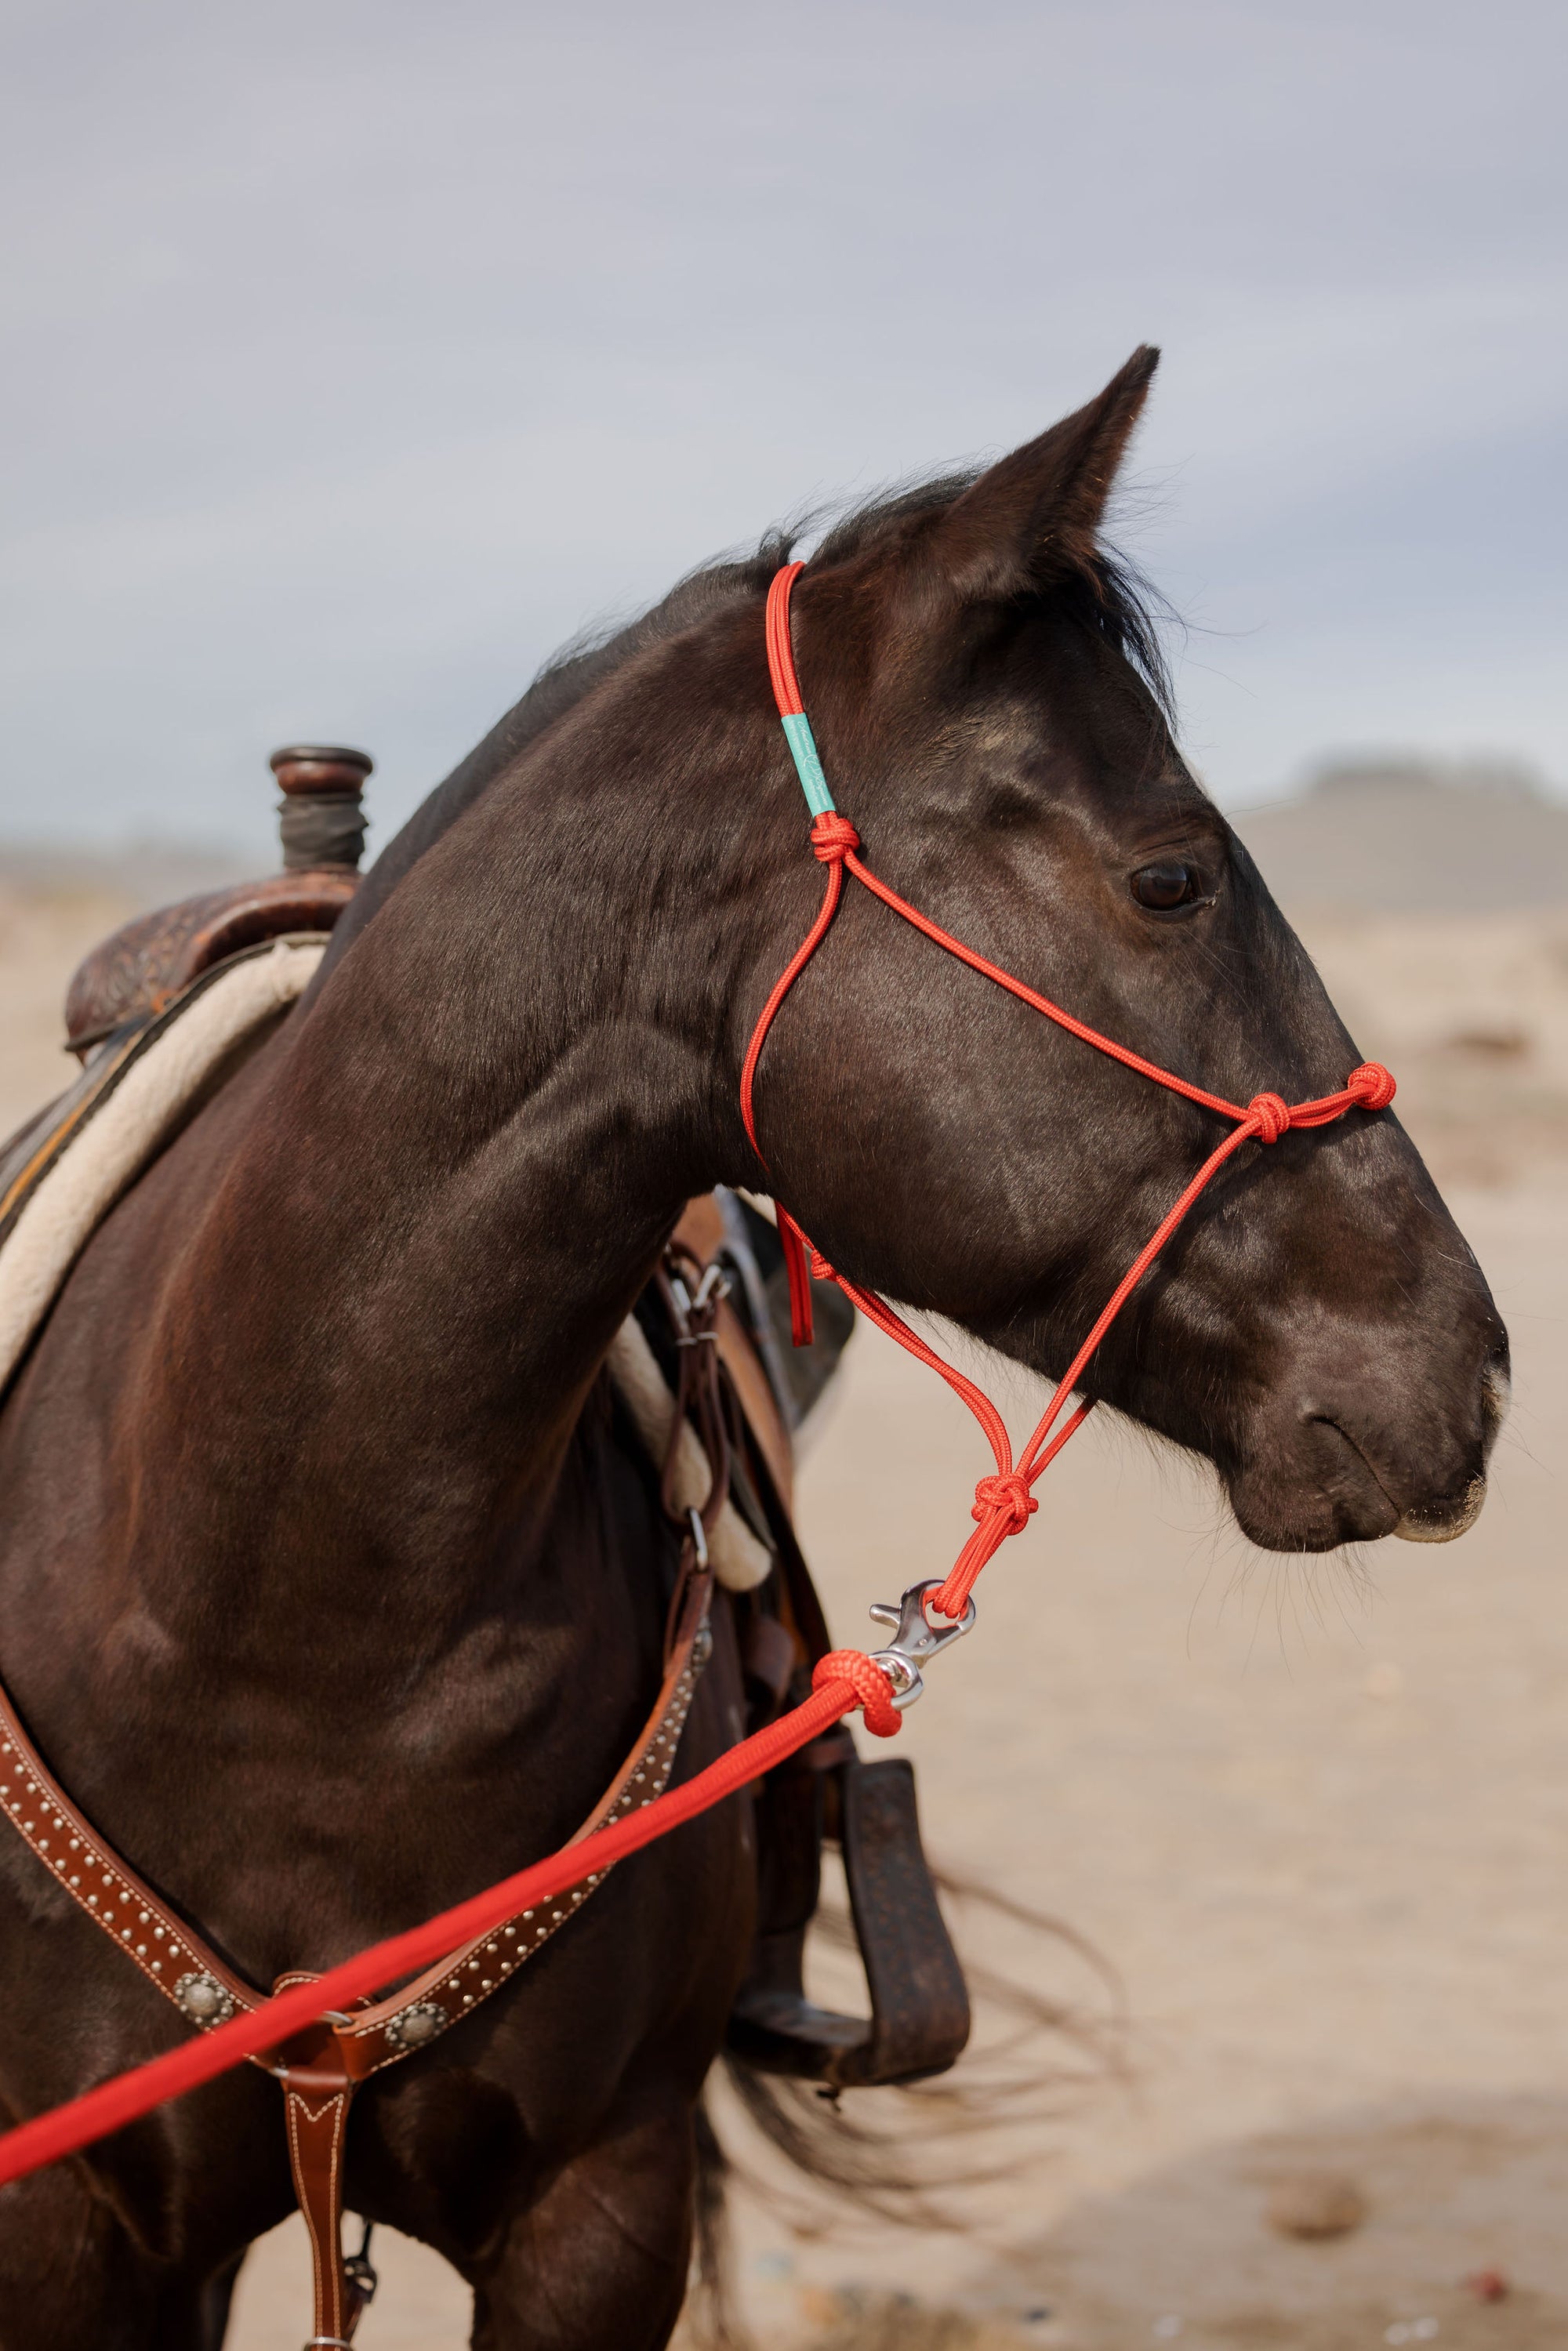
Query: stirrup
920, 2006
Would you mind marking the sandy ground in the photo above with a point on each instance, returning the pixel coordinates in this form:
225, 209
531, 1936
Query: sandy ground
1312, 1814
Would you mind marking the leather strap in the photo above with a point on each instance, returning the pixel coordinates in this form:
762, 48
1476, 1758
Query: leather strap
316, 2120
184, 1967
317, 2095
701, 1231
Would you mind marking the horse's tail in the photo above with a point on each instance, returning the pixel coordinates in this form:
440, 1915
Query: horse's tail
892, 2153
711, 2315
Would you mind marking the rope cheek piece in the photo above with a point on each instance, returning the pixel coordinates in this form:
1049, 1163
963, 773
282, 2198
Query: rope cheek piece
1004, 1501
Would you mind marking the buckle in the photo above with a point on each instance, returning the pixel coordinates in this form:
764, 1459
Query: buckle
714, 1286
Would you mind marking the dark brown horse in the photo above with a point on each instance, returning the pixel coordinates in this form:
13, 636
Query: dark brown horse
328, 1588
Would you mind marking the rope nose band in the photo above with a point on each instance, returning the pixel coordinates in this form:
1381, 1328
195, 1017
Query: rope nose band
1003, 1503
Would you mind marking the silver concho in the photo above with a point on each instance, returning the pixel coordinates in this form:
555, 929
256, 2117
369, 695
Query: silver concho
413, 2027
702, 1645
204, 1999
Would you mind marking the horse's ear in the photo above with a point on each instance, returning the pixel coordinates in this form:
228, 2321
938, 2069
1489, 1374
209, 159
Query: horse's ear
1033, 517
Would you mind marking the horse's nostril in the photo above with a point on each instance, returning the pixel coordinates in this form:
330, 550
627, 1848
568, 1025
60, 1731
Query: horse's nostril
1497, 1389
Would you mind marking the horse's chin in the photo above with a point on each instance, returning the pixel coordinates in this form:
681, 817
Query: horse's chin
1315, 1487
1320, 1523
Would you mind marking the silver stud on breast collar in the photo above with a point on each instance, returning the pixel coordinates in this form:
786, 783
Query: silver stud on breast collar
413, 2026
204, 1999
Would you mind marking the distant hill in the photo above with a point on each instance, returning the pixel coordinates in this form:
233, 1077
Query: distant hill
143, 874
1393, 835
1408, 835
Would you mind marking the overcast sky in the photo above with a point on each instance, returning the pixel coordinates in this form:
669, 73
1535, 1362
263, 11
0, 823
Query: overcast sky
359, 353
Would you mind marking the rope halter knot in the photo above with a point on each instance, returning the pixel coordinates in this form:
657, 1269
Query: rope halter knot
1005, 1495
1372, 1085
832, 838
1267, 1117
1270, 1114
874, 1691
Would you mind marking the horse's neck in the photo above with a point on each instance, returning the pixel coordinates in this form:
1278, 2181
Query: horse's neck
424, 1214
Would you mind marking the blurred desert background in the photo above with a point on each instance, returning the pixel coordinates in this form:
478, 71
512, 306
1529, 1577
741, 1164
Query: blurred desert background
1303, 1824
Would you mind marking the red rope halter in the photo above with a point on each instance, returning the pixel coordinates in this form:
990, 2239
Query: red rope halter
1003, 1502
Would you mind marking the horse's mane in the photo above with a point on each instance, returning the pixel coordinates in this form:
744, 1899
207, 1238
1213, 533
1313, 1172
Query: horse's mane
1104, 594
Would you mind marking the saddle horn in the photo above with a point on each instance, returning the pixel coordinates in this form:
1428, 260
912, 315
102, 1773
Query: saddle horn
321, 815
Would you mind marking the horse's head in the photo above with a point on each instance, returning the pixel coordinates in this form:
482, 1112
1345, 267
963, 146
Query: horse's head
979, 676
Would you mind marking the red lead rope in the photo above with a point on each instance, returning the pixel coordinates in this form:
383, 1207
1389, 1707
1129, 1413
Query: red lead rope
1003, 1502
844, 1680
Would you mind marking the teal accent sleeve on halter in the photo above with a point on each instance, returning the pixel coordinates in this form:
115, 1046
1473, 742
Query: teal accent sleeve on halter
808, 767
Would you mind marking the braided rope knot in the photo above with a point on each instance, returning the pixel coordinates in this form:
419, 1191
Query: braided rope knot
1372, 1085
1273, 1114
872, 1688
832, 838
1005, 1497
820, 1270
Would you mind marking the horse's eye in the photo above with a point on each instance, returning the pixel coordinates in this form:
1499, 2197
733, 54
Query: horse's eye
1170, 883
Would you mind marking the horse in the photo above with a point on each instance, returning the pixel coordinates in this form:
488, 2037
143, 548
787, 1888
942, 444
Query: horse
329, 1583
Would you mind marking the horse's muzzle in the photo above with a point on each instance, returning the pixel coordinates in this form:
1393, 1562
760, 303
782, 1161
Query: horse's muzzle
1377, 1459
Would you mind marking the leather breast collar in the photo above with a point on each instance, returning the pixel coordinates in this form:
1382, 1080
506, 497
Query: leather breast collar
320, 2069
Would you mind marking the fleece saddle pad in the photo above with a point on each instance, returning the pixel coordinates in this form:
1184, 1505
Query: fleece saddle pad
61, 1176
